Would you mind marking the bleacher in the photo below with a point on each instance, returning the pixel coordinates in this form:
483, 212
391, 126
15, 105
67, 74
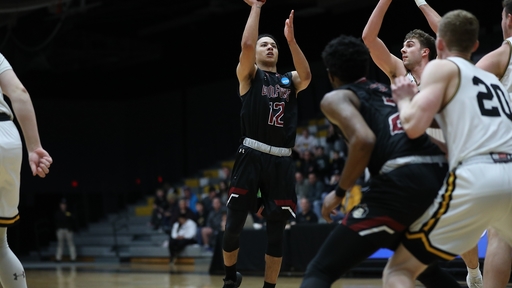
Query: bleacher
127, 236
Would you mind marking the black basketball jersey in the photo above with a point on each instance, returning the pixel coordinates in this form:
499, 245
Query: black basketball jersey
381, 114
269, 109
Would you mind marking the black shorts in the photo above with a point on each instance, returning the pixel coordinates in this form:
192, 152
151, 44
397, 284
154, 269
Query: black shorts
273, 176
394, 201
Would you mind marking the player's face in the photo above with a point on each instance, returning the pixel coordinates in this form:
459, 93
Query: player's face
266, 50
411, 53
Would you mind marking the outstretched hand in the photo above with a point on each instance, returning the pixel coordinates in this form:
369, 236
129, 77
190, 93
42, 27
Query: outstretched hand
40, 162
288, 27
403, 88
255, 2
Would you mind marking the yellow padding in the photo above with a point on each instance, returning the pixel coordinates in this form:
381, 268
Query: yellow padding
353, 199
321, 133
151, 200
229, 163
143, 210
212, 173
192, 183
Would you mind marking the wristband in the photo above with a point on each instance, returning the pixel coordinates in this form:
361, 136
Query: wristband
340, 192
420, 2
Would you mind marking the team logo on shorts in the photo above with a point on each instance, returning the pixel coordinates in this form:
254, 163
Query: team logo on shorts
360, 211
285, 80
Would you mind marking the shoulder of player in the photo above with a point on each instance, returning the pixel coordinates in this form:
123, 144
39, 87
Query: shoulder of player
440, 68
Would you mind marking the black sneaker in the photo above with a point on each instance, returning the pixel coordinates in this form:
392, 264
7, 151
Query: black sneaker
231, 283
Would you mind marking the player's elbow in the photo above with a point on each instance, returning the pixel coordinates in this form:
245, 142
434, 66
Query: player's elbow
364, 143
368, 38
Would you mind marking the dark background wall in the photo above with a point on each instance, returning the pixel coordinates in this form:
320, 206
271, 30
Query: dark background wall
127, 91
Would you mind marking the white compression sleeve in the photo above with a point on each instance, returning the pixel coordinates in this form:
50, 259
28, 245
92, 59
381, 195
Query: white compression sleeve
12, 274
420, 2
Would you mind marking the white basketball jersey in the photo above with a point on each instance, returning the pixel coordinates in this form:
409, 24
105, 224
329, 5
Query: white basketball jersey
433, 132
478, 119
4, 65
506, 80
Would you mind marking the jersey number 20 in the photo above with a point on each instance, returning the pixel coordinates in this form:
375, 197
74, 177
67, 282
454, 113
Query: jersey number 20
488, 95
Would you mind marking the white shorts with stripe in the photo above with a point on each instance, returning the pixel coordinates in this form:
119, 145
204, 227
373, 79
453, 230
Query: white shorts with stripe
11, 155
476, 195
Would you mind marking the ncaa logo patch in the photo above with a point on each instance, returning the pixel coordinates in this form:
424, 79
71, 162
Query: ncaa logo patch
285, 80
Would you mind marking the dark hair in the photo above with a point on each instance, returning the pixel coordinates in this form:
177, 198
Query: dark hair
346, 58
183, 215
426, 41
507, 5
269, 36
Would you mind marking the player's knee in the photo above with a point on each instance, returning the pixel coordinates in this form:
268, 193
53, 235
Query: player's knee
275, 230
234, 225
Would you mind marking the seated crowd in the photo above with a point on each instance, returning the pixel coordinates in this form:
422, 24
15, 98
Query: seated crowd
318, 170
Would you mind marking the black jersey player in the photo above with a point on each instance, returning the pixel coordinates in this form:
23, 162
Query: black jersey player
263, 162
406, 174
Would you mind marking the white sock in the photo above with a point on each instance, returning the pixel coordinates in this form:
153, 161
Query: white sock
12, 274
474, 273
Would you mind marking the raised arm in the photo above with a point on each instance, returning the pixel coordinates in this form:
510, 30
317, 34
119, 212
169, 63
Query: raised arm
39, 159
387, 62
432, 16
302, 75
247, 67
496, 61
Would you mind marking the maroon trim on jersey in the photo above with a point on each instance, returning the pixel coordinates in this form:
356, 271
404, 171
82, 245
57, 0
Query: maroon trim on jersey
374, 222
239, 191
283, 203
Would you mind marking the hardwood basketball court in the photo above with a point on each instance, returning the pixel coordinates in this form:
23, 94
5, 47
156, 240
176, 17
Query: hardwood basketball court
140, 275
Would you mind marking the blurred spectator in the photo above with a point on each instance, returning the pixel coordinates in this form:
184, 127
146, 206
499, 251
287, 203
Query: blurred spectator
306, 215
301, 186
316, 188
169, 214
322, 163
190, 198
213, 225
305, 142
337, 162
201, 219
182, 209
160, 205
207, 201
223, 192
65, 225
307, 163
183, 233
333, 141
225, 174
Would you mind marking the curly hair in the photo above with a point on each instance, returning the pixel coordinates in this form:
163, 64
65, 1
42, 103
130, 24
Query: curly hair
426, 41
346, 58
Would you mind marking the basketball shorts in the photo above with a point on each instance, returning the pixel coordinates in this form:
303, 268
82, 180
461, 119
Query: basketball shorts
11, 155
476, 195
393, 201
274, 176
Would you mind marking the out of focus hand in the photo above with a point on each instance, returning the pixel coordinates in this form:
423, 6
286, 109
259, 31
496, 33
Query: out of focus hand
40, 162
